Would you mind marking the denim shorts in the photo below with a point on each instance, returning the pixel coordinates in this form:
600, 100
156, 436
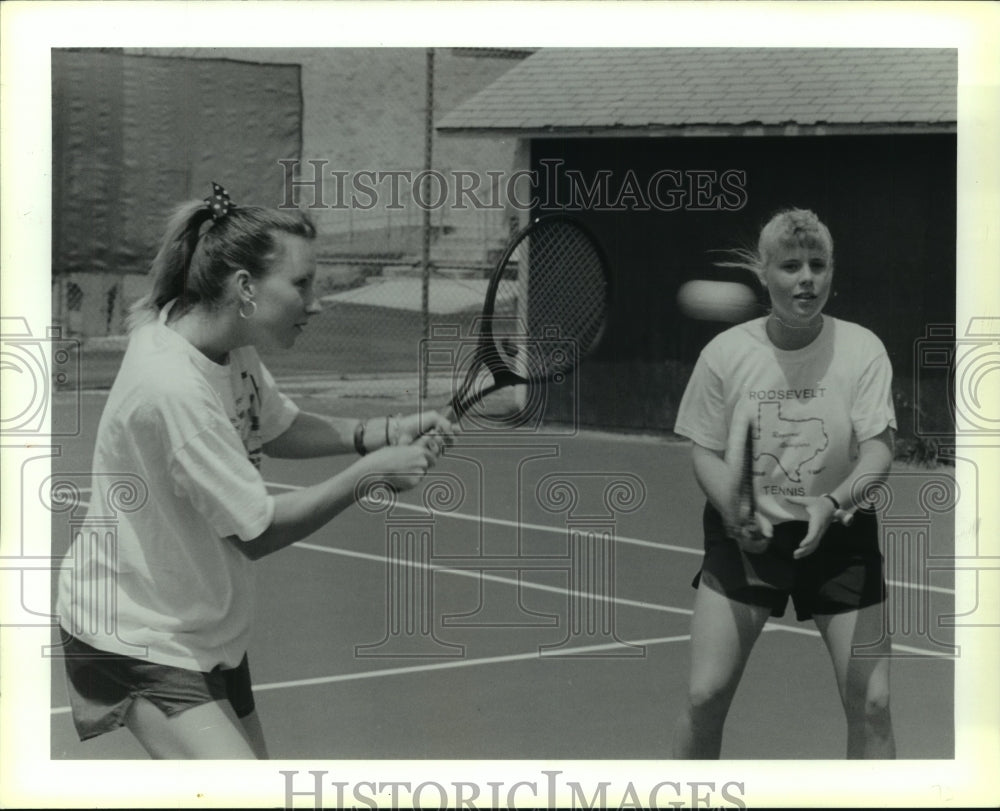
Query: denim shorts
102, 687
845, 573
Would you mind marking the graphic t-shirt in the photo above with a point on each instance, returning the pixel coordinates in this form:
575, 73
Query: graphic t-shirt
175, 472
809, 408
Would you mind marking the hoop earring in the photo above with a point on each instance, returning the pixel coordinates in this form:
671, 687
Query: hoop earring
253, 311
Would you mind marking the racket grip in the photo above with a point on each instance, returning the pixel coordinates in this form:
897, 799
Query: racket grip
845, 517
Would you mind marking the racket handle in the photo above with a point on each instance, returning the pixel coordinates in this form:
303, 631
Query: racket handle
845, 517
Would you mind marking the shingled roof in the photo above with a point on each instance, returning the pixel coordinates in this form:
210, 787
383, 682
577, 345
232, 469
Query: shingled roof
756, 90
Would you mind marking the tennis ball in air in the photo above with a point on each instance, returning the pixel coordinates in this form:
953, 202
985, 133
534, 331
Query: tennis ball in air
706, 300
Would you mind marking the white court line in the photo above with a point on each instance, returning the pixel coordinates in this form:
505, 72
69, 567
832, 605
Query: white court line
663, 547
457, 663
772, 624
795, 629
503, 522
518, 657
479, 574
541, 587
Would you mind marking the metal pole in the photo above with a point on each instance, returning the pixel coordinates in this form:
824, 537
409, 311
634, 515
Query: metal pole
426, 259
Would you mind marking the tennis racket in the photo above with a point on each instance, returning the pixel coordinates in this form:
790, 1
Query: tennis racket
747, 530
546, 308
748, 533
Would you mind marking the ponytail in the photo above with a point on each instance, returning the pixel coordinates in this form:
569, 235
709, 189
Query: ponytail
194, 260
169, 270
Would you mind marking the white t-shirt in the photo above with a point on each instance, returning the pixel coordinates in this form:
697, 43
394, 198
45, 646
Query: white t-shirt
810, 407
151, 575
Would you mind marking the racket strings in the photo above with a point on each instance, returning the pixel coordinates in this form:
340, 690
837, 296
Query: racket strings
555, 286
545, 310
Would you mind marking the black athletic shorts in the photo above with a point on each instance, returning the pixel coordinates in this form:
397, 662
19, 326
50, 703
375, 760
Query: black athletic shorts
102, 687
845, 573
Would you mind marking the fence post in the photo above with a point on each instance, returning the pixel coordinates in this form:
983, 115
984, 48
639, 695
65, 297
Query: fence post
426, 258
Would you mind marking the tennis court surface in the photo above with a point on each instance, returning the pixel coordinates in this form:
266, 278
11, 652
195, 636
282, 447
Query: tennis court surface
532, 600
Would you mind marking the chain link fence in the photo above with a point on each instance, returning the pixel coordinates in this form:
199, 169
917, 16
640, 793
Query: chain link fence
405, 249
384, 293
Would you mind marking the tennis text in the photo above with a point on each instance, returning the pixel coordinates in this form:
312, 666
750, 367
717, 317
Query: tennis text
775, 490
547, 789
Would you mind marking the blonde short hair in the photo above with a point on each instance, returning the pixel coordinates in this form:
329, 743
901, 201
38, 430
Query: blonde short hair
791, 226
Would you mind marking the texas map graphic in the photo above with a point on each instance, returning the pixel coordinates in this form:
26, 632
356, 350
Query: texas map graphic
799, 440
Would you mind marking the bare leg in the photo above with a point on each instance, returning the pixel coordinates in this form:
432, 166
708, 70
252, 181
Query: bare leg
723, 633
863, 680
208, 731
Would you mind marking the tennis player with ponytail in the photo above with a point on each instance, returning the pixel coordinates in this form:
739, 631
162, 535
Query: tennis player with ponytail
156, 628
815, 393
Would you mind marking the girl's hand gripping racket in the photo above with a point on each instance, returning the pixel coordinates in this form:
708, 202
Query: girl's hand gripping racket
747, 531
546, 309
845, 517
